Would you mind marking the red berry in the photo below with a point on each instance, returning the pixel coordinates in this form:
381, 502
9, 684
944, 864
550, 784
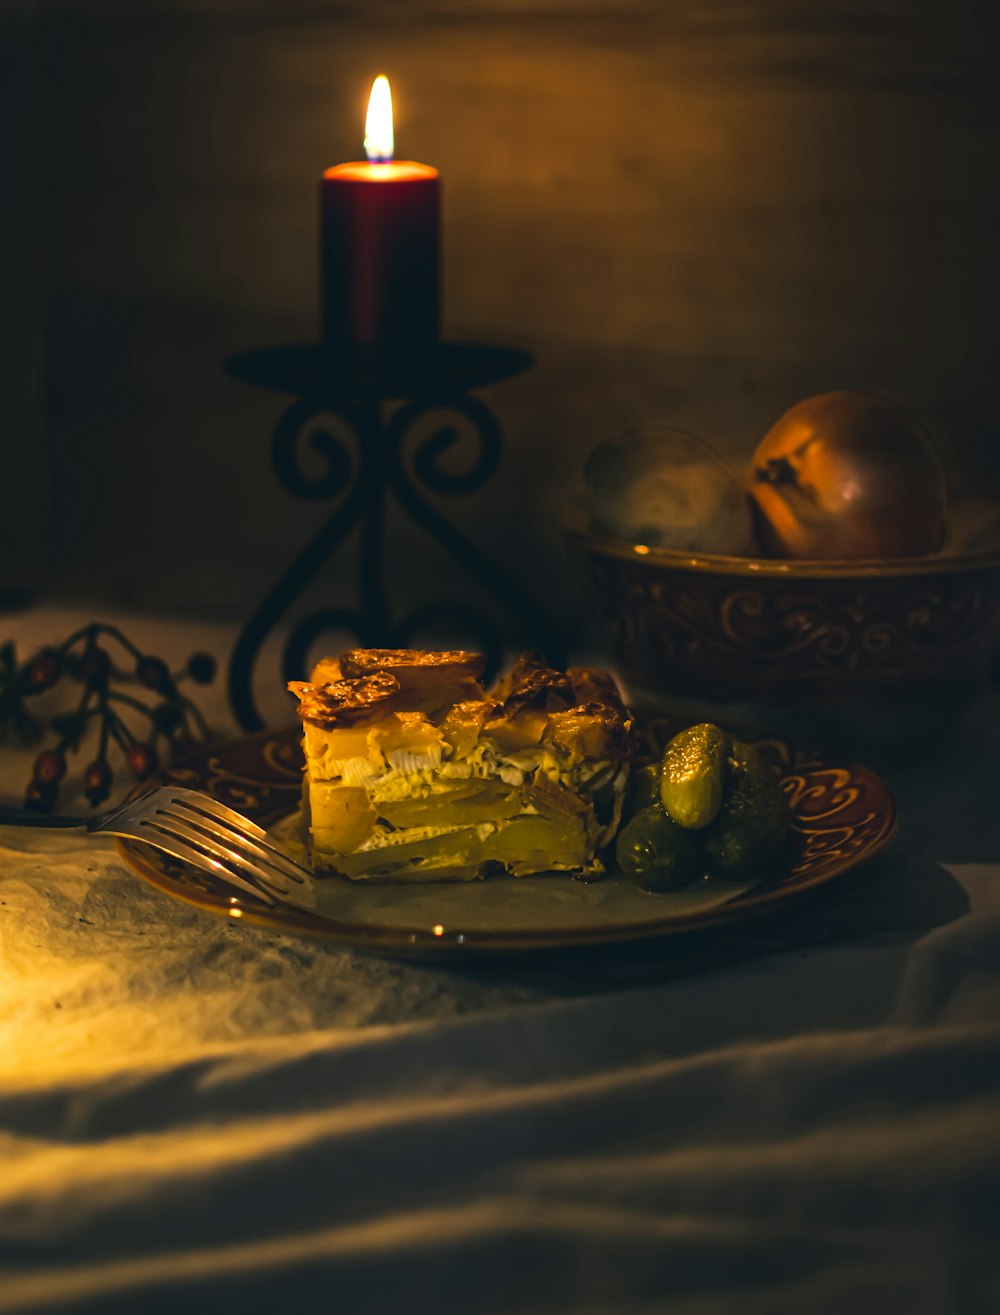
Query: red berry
154, 673
97, 782
201, 667
50, 765
43, 672
40, 796
142, 760
95, 667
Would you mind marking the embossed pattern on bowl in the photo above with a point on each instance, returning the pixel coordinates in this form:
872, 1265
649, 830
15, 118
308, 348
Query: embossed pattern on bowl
787, 631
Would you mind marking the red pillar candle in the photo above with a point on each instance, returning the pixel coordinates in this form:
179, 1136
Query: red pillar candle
380, 248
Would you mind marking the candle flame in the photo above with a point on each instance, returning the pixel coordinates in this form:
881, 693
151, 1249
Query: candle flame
379, 144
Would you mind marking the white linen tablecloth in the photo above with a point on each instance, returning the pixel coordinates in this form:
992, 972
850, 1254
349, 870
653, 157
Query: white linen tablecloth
799, 1114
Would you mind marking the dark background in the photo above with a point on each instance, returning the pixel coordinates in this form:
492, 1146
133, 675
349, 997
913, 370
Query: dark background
689, 212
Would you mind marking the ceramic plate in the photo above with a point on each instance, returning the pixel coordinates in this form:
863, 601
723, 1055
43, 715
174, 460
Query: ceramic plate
842, 814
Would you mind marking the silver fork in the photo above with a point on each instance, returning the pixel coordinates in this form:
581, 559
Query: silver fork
194, 827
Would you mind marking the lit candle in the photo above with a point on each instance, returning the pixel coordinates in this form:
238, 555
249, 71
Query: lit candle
380, 248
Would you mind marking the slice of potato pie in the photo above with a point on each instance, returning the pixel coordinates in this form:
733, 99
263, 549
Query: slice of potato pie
414, 772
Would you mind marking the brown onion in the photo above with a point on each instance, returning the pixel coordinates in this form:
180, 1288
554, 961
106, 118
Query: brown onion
848, 475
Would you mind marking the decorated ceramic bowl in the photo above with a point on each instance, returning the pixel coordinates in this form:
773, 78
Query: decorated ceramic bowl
877, 634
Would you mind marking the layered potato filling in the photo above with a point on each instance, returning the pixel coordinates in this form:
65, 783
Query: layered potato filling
415, 772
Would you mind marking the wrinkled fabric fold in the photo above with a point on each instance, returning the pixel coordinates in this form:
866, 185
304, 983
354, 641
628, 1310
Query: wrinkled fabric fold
215, 1117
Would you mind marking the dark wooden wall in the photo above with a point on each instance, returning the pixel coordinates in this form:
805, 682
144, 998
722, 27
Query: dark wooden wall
691, 212
22, 447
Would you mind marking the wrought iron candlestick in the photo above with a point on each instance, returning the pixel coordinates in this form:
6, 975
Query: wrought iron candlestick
376, 414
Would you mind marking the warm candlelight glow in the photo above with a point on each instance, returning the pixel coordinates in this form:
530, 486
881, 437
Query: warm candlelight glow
379, 143
380, 224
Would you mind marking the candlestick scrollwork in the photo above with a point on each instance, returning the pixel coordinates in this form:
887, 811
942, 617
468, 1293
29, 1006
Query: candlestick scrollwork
367, 451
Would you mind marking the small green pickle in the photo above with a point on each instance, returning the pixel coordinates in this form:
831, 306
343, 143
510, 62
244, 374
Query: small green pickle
693, 775
644, 787
753, 820
655, 852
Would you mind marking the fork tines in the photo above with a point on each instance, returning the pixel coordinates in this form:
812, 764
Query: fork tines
218, 833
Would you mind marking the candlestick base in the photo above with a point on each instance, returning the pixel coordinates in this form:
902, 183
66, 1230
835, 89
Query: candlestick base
324, 382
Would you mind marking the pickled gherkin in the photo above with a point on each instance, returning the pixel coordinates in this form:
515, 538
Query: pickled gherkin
657, 853
693, 775
711, 806
644, 788
751, 825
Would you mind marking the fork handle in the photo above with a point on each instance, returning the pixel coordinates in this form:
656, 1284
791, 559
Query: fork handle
27, 817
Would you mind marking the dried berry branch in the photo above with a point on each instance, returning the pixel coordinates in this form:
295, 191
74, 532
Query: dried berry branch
144, 732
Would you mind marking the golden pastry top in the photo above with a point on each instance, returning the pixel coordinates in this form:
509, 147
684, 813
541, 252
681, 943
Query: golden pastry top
579, 709
414, 667
345, 702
